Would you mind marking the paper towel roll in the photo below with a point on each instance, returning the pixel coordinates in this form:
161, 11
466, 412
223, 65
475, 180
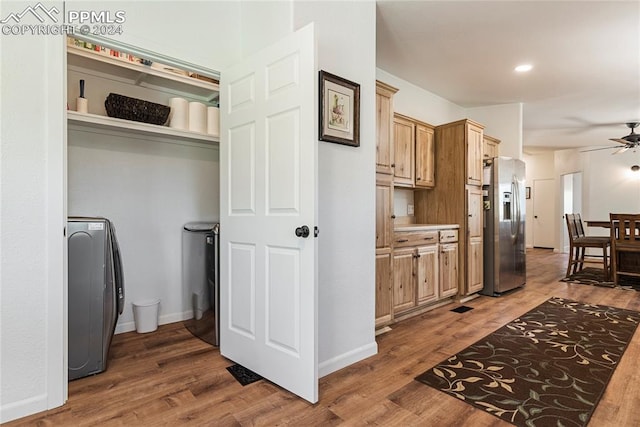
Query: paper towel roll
82, 105
213, 121
197, 117
179, 117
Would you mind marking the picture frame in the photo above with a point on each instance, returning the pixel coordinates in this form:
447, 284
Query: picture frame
339, 111
527, 192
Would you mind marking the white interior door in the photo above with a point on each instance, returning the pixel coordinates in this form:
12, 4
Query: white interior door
268, 178
543, 213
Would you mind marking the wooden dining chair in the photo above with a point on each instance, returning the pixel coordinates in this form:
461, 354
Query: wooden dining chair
625, 240
579, 243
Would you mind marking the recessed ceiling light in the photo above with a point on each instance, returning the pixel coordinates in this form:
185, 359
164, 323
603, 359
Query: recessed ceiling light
524, 68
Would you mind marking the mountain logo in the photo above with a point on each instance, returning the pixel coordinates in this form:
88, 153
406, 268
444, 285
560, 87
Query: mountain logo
38, 10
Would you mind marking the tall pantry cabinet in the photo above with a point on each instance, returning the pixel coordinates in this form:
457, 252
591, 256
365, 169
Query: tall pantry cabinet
384, 202
457, 199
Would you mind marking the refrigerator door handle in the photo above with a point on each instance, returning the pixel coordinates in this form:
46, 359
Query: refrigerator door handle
518, 208
515, 209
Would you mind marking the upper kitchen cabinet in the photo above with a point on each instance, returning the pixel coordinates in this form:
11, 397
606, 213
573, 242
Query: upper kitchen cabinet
414, 153
105, 71
473, 132
404, 142
425, 167
384, 123
490, 147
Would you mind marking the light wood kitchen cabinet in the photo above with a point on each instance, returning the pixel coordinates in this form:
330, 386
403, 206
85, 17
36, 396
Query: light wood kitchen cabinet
490, 147
425, 166
448, 266
384, 211
458, 156
425, 270
413, 153
427, 277
384, 202
474, 137
404, 280
475, 258
384, 287
384, 261
384, 128
404, 143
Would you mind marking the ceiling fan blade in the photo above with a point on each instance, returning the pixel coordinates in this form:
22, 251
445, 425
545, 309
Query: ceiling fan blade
598, 149
621, 150
620, 140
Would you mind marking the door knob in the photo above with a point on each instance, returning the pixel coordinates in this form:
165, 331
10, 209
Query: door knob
302, 231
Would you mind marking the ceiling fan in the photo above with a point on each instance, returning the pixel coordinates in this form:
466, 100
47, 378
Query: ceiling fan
629, 141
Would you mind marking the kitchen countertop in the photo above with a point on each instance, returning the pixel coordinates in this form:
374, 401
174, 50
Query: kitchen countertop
424, 227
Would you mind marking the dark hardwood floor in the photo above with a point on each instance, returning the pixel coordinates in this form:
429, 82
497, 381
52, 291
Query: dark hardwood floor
171, 378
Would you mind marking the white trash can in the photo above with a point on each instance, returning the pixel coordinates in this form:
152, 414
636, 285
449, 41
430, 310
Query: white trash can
145, 315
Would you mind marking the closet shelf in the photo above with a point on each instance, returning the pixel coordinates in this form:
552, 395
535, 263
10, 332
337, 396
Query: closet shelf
142, 75
111, 124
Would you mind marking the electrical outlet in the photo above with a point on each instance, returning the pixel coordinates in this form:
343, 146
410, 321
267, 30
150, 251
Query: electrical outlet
409, 209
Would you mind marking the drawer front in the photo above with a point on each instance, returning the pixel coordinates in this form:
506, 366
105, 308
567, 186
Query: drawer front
448, 236
414, 238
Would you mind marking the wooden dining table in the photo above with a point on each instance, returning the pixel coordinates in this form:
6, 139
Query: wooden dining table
628, 260
603, 224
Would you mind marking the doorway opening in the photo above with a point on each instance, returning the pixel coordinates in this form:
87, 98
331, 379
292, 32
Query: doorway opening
571, 201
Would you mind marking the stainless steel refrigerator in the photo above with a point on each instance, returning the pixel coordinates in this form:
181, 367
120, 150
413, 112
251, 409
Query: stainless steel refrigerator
505, 266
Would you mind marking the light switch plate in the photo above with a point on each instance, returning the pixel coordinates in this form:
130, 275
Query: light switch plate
409, 209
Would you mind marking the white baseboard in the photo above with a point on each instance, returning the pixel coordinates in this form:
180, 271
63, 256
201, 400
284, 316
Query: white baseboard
346, 359
22, 408
162, 320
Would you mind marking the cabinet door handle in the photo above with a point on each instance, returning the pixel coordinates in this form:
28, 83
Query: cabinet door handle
393, 165
428, 238
393, 217
402, 240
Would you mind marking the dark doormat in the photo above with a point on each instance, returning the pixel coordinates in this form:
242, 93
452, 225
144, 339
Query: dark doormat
243, 375
462, 309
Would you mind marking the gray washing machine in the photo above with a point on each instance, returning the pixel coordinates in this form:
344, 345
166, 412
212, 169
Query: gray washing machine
200, 279
95, 294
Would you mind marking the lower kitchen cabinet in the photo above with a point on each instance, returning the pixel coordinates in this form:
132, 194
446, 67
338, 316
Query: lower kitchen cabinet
427, 279
384, 308
423, 274
404, 280
475, 279
448, 263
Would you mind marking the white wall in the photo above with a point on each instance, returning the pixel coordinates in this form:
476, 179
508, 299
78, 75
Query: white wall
346, 198
264, 22
205, 33
149, 190
421, 104
503, 122
32, 244
608, 184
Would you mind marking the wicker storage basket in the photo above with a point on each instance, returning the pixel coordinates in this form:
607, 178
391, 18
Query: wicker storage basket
123, 107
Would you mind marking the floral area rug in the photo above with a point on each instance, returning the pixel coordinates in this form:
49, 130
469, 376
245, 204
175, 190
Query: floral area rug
595, 277
550, 367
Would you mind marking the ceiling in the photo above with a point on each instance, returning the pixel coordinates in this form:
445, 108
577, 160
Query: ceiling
585, 81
